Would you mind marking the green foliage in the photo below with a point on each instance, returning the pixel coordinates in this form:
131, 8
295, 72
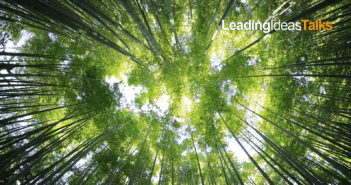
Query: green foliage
283, 97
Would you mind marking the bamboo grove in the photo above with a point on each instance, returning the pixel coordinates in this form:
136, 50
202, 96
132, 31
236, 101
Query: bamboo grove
281, 98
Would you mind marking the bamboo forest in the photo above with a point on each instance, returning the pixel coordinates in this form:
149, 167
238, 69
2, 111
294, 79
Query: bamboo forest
172, 92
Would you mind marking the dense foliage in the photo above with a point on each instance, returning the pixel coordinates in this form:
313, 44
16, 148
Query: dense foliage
281, 98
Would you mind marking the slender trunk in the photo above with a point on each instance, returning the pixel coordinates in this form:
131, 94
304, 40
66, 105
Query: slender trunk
221, 21
221, 156
276, 170
143, 169
214, 16
301, 169
251, 159
133, 176
231, 163
113, 23
129, 8
153, 166
151, 4
172, 164
276, 163
223, 170
171, 19
338, 166
198, 162
163, 157
210, 169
